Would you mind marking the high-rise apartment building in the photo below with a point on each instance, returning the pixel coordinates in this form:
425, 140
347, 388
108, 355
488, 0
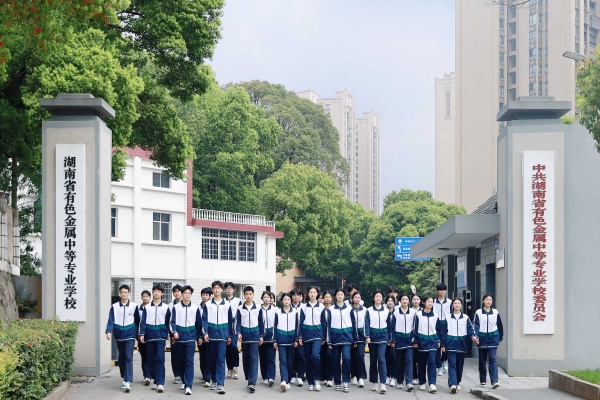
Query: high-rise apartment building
445, 132
504, 52
362, 184
368, 128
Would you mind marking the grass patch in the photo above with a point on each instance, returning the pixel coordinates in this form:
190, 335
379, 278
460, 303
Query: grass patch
592, 376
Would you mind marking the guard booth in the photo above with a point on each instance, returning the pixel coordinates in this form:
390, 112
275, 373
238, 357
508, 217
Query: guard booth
533, 245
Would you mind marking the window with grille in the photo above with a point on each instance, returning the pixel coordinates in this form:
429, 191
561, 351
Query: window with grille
113, 222
161, 225
221, 244
161, 180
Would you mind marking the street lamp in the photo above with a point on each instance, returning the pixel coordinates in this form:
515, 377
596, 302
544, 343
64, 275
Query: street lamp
574, 56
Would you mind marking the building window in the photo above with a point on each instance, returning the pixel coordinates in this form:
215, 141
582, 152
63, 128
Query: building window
167, 296
113, 222
221, 244
161, 180
161, 226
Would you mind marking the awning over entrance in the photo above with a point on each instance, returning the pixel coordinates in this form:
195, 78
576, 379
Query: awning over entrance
457, 233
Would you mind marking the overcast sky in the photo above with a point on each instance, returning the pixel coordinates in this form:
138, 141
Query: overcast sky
385, 52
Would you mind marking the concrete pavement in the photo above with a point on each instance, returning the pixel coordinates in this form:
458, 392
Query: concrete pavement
107, 387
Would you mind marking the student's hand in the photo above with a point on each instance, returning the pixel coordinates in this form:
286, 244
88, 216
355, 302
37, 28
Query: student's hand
240, 337
368, 340
295, 344
108, 336
474, 338
323, 342
415, 345
300, 342
275, 346
355, 345
438, 345
206, 338
260, 341
200, 342
228, 341
142, 339
176, 336
393, 344
331, 347
443, 349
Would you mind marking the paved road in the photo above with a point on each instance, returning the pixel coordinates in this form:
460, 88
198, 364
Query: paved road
107, 387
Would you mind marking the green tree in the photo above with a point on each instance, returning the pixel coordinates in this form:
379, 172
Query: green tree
588, 97
233, 142
313, 215
406, 213
308, 138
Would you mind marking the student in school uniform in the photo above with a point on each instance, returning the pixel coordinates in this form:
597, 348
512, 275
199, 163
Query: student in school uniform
390, 353
326, 365
393, 291
402, 332
310, 337
415, 301
299, 367
350, 290
142, 346
250, 332
286, 339
459, 333
217, 322
123, 320
266, 351
341, 335
154, 332
427, 338
232, 356
358, 371
175, 367
489, 332
203, 351
376, 329
186, 329
441, 306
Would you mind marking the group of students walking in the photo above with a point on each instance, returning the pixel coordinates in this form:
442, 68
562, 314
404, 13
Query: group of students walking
411, 340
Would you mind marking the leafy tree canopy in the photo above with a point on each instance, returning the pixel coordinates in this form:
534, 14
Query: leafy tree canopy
588, 97
233, 142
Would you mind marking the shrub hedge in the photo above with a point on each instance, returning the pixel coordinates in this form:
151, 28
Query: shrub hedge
35, 355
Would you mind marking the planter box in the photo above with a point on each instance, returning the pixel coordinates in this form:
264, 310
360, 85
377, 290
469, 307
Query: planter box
573, 385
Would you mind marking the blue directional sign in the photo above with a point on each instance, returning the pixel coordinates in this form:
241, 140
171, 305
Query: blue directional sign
403, 245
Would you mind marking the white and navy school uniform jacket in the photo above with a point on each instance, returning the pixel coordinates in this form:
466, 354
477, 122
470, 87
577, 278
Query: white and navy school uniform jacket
488, 328
123, 320
249, 322
376, 324
427, 333
442, 309
402, 324
285, 327
359, 319
186, 321
341, 326
312, 322
217, 320
459, 331
155, 322
268, 317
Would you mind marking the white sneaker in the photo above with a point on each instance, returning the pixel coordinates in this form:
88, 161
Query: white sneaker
329, 383
177, 380
375, 387
147, 381
409, 388
422, 387
311, 388
432, 389
445, 366
382, 389
345, 387
288, 386
440, 371
354, 381
235, 374
453, 389
123, 385
127, 387
220, 389
160, 388
271, 382
399, 386
293, 381
299, 382
155, 387
206, 384
458, 387
415, 381
265, 382
182, 386
318, 386
188, 391
393, 382
387, 380
361, 383
495, 385
229, 374
283, 386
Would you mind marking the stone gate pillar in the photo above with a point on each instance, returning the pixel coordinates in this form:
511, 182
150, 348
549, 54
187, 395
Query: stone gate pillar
76, 179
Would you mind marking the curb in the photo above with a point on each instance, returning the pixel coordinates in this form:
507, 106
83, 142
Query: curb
570, 384
58, 392
486, 394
